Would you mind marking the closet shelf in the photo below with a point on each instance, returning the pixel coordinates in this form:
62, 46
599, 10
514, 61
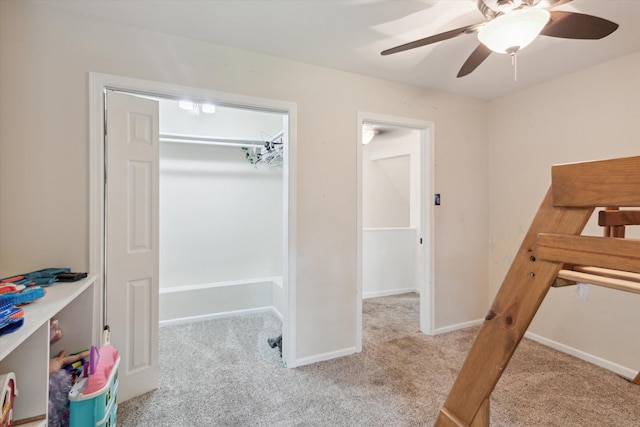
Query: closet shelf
196, 139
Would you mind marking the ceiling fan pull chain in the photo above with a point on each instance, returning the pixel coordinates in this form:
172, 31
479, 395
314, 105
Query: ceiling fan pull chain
514, 63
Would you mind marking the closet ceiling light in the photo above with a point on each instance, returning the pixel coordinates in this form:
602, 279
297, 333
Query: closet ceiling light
186, 105
195, 108
208, 108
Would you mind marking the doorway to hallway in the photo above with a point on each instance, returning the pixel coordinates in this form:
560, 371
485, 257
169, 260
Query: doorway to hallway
395, 169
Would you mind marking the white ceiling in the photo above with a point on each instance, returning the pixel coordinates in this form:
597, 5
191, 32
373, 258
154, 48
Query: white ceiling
350, 34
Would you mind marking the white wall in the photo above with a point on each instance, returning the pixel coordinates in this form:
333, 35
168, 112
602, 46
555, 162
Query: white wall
220, 216
391, 180
389, 261
226, 122
200, 302
385, 192
46, 57
589, 115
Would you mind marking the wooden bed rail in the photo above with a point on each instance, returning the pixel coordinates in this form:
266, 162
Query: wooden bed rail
614, 220
602, 183
613, 279
549, 254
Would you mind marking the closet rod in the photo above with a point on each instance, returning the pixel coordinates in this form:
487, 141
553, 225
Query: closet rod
195, 139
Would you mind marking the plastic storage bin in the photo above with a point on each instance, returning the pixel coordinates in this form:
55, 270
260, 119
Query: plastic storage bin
95, 409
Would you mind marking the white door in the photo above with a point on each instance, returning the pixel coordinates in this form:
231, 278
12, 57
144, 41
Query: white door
132, 189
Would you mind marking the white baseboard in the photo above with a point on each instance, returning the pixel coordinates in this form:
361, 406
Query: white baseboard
263, 280
211, 300
376, 294
598, 361
324, 356
277, 313
458, 326
212, 316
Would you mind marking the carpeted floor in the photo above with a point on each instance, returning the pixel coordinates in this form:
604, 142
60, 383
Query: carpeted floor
223, 373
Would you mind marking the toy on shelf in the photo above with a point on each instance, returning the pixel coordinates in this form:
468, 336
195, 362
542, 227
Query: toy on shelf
59, 385
62, 374
11, 297
25, 296
8, 393
11, 317
55, 331
9, 287
62, 360
44, 277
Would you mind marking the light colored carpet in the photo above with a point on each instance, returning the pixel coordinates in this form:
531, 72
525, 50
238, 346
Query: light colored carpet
223, 373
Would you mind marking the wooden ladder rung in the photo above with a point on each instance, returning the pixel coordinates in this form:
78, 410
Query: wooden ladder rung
614, 279
607, 272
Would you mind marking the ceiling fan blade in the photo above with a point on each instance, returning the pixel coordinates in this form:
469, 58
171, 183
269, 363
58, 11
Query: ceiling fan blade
430, 40
474, 60
571, 25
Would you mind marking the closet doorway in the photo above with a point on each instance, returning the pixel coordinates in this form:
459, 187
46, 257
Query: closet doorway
395, 256
133, 304
221, 210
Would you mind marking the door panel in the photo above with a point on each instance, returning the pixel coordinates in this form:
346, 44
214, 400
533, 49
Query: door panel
132, 190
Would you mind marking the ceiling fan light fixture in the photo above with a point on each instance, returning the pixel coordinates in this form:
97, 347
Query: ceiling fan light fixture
514, 30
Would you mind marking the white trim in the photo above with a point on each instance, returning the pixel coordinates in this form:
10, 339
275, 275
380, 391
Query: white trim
98, 83
96, 198
377, 294
213, 316
458, 326
388, 228
427, 171
598, 361
325, 356
289, 279
276, 281
623, 371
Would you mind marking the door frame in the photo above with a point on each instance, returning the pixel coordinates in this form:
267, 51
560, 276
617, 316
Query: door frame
98, 84
426, 272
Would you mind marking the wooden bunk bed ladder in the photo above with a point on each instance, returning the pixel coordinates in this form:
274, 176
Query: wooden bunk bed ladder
553, 253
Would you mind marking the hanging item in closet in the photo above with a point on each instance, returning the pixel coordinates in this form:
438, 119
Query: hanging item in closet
270, 153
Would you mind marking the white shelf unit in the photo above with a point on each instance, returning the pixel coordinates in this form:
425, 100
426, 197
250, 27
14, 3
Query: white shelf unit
26, 352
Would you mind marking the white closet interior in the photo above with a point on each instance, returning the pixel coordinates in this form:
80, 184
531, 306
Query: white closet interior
221, 215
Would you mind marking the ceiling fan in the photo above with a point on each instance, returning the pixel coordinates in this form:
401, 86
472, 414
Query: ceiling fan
513, 24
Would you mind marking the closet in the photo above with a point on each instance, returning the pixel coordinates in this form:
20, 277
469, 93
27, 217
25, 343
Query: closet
221, 210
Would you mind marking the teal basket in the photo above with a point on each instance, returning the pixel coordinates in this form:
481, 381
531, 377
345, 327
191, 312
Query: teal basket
95, 409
